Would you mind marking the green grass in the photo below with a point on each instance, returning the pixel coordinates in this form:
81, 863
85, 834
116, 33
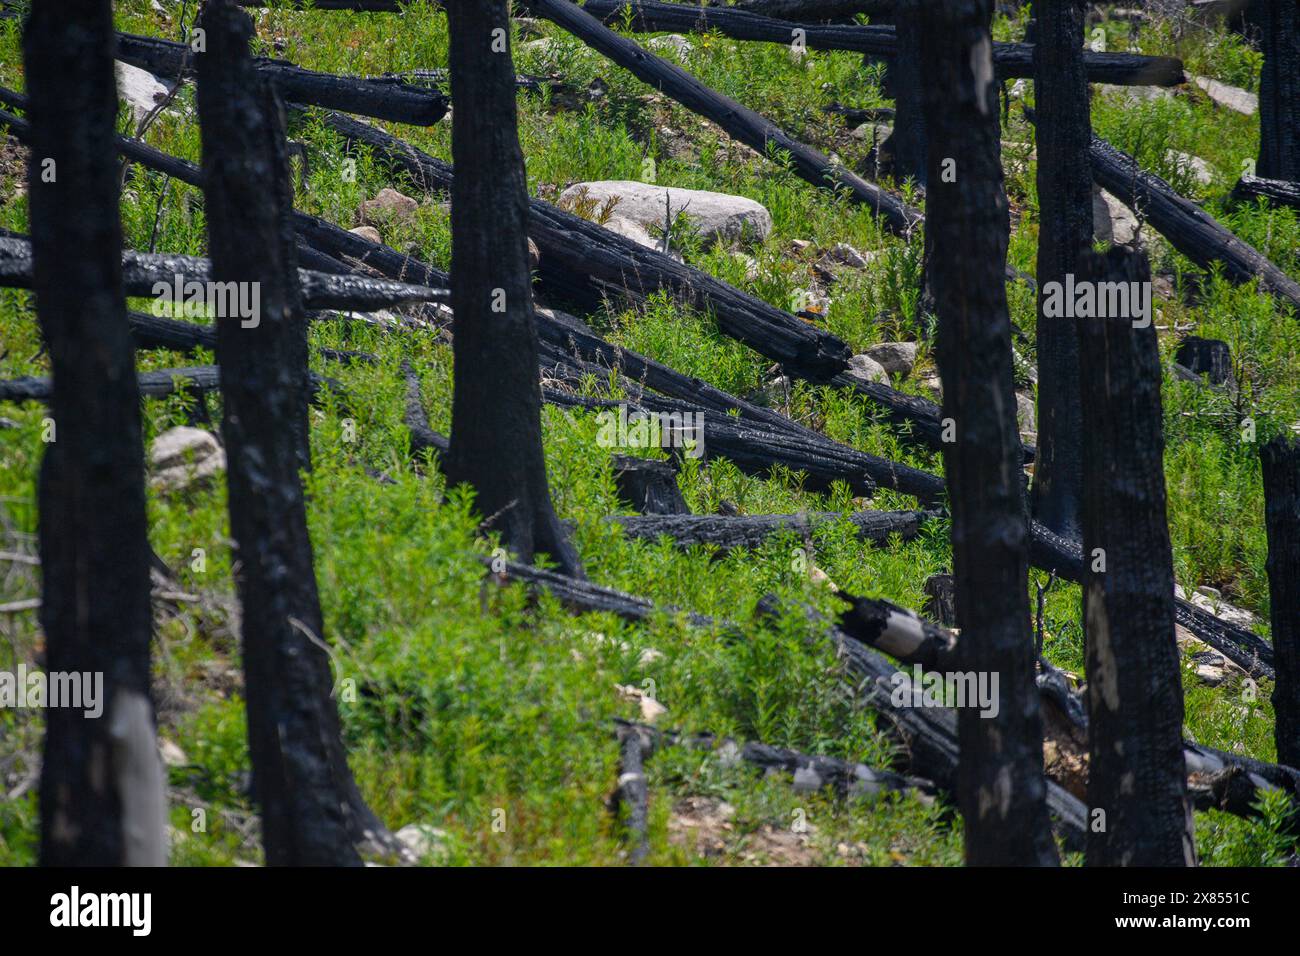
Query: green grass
466, 705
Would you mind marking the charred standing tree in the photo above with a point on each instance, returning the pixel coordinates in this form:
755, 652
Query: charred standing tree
496, 430
1281, 460
1137, 778
102, 801
1001, 789
1278, 22
1063, 138
312, 813
903, 153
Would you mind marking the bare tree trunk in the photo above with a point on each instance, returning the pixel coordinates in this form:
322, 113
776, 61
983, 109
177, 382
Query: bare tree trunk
1063, 136
906, 146
1001, 790
102, 801
1137, 777
496, 432
1279, 88
312, 813
1281, 460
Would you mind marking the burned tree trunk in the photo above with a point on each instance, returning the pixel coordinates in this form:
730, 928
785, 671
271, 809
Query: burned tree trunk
1281, 460
1137, 779
496, 431
1001, 789
1065, 230
312, 813
102, 799
1279, 88
905, 149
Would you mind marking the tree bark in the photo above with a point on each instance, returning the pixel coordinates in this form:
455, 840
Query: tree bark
727, 532
312, 812
1281, 466
1065, 230
496, 431
1279, 88
102, 801
1137, 779
1001, 789
384, 98
1278, 192
905, 149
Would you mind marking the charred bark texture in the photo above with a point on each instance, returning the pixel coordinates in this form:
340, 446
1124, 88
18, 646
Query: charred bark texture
1277, 192
312, 812
649, 486
1209, 357
1189, 229
904, 152
749, 531
1278, 22
496, 430
1065, 230
101, 791
1281, 461
1001, 788
1136, 777
383, 98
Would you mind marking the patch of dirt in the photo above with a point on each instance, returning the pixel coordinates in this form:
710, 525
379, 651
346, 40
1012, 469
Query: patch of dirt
703, 825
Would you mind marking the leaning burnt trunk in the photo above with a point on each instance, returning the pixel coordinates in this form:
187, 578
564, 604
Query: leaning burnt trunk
312, 813
1281, 460
496, 430
1001, 789
1137, 779
1278, 22
102, 799
1063, 137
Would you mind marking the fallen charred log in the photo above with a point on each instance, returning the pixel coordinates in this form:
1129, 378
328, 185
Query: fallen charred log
749, 531
143, 273
1010, 60
1189, 229
649, 486
1277, 192
383, 98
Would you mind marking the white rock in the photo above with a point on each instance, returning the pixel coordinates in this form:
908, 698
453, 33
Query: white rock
897, 358
1136, 94
423, 840
185, 456
171, 753
1112, 221
1197, 168
712, 215
629, 229
874, 133
388, 206
1026, 418
845, 254
651, 709
673, 43
1229, 97
369, 233
867, 369
140, 89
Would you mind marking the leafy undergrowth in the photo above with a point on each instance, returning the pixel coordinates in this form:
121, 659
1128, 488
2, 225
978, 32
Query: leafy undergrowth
470, 708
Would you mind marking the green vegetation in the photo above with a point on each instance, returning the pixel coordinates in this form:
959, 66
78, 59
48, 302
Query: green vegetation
462, 699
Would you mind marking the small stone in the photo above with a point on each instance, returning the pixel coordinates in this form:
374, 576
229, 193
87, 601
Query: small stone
1112, 221
867, 369
1229, 97
183, 457
534, 255
172, 755
897, 358
423, 840
368, 233
1026, 418
846, 255
140, 89
651, 709
1198, 169
388, 206
673, 43
807, 780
